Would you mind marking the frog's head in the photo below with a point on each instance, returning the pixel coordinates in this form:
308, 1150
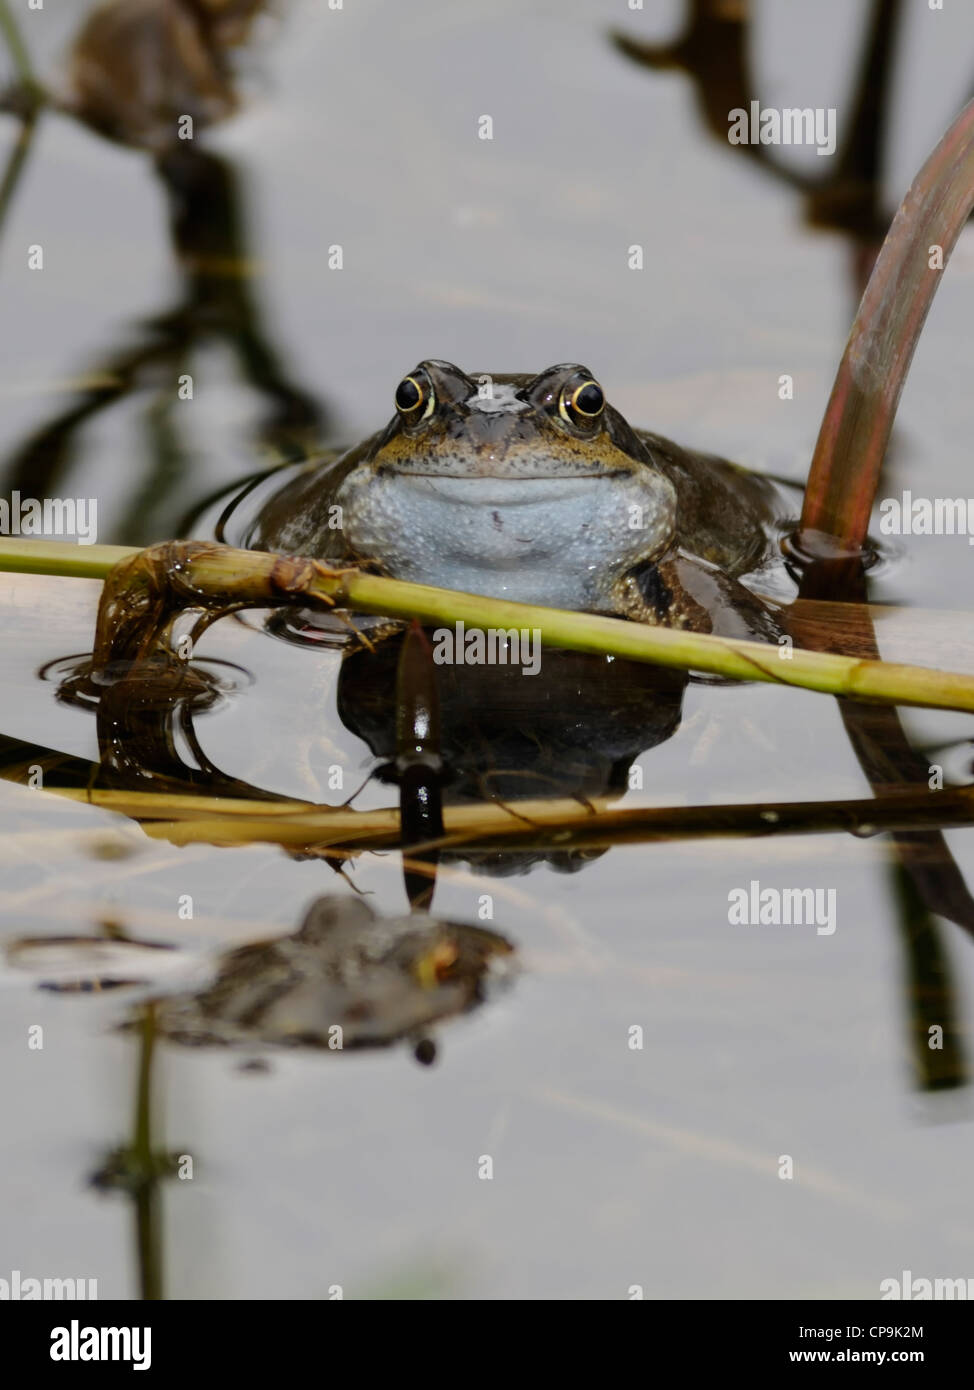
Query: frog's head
508, 486
555, 425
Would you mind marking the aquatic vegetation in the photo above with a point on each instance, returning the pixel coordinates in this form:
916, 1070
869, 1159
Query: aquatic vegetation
858, 422
150, 589
465, 659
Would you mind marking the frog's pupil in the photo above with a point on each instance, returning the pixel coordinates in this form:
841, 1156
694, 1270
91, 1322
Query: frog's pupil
590, 399
408, 395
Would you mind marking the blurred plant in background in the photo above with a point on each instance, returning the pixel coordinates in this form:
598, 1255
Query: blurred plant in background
154, 75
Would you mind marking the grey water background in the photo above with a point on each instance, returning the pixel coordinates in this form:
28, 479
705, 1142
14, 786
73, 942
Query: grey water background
613, 1167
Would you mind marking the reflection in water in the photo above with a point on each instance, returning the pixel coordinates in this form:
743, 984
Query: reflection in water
349, 978
88, 964
487, 734
930, 991
572, 730
441, 734
713, 51
926, 878
140, 67
136, 1169
419, 764
460, 734
140, 70
145, 714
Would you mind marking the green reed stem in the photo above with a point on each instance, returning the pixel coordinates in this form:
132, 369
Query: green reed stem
252, 578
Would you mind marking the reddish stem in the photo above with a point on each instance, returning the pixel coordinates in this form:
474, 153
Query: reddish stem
855, 430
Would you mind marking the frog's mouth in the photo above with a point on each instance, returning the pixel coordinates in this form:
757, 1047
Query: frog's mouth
502, 490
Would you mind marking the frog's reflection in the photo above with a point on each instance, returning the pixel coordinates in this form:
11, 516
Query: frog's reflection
573, 729
348, 978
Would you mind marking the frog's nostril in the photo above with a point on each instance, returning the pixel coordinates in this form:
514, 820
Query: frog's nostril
489, 430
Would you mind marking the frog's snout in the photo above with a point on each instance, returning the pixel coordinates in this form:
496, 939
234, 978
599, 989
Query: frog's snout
492, 432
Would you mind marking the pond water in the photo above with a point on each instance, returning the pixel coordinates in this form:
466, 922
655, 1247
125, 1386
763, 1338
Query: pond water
647, 1066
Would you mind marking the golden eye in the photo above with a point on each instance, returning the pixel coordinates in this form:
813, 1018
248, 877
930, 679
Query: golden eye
411, 395
585, 402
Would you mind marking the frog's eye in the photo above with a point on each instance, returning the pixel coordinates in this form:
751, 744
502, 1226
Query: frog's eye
582, 404
412, 395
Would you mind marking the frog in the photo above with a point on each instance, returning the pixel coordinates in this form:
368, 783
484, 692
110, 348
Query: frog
534, 489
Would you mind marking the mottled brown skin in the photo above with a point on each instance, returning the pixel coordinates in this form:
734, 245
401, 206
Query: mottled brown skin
708, 522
